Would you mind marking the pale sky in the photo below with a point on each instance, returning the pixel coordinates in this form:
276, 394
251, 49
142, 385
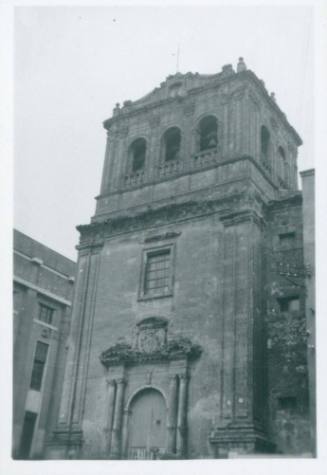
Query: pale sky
72, 64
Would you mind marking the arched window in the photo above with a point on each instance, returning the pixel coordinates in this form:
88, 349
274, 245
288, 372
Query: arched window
265, 143
284, 170
208, 133
172, 144
137, 154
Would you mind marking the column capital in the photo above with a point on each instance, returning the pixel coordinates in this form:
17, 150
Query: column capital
121, 381
110, 382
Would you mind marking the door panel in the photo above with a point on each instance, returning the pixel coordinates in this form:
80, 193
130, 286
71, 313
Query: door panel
147, 425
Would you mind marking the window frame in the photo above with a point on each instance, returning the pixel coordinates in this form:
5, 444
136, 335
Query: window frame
48, 307
199, 138
26, 443
131, 157
287, 240
143, 294
164, 148
288, 299
33, 386
265, 144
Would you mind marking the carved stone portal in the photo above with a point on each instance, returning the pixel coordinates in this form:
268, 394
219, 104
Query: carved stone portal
150, 345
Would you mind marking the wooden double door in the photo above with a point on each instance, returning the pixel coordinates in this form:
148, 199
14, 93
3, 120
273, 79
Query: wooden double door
147, 430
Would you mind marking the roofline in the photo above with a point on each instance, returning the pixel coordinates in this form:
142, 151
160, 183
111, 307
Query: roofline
309, 172
248, 74
16, 231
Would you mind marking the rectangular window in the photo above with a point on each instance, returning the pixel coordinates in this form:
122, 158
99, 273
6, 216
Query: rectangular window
157, 272
287, 403
156, 278
287, 240
40, 357
289, 304
45, 313
27, 434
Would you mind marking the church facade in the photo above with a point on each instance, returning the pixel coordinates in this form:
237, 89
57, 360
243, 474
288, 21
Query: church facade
188, 335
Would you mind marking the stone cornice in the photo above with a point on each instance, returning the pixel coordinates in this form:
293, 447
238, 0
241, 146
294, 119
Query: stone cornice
125, 354
242, 216
294, 198
221, 163
95, 233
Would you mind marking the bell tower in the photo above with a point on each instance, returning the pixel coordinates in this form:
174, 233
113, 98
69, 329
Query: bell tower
170, 303
193, 123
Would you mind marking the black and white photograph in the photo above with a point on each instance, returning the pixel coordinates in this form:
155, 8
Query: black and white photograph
163, 243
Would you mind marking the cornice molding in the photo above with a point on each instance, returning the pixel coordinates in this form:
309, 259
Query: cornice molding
174, 349
292, 198
220, 163
238, 205
94, 234
242, 216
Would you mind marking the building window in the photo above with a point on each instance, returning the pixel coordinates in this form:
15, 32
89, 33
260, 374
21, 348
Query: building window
157, 273
45, 314
286, 403
208, 138
287, 240
265, 143
40, 357
289, 304
137, 153
172, 144
27, 434
175, 89
283, 165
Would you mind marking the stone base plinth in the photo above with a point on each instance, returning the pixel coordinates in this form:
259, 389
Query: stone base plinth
237, 439
64, 444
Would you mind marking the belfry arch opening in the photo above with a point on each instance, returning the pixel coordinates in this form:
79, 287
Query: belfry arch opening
207, 133
264, 143
137, 152
172, 144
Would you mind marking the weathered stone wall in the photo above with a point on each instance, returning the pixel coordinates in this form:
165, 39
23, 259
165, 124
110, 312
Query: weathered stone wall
286, 330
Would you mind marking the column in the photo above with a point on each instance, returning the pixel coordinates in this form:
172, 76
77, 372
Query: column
110, 402
182, 413
124, 451
172, 414
118, 416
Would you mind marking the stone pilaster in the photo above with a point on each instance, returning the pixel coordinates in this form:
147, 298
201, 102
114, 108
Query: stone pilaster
242, 363
110, 406
107, 164
172, 415
68, 434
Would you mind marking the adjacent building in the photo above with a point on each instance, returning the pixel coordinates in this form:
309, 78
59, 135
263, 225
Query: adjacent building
308, 189
43, 288
188, 336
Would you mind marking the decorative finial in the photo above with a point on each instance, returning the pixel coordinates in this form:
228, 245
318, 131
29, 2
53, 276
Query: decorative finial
227, 70
241, 66
117, 108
